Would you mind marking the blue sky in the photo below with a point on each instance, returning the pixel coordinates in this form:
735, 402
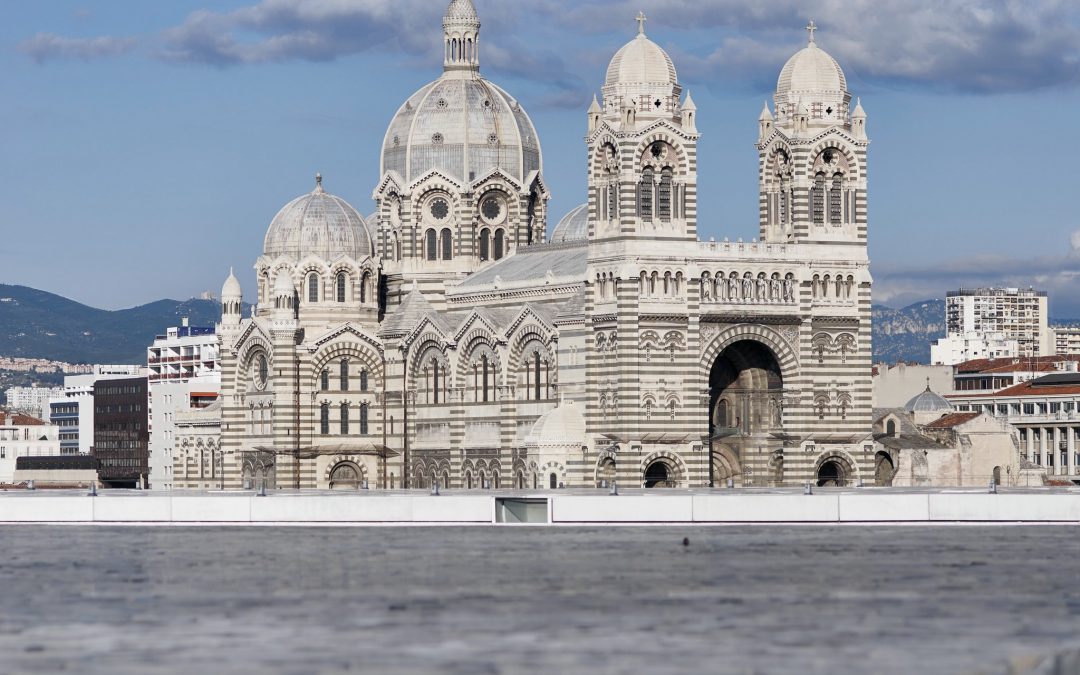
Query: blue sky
147, 145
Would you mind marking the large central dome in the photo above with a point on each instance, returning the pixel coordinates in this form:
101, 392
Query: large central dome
461, 124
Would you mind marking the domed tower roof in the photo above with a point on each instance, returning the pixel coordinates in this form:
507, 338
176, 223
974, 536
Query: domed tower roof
461, 124
283, 285
641, 61
812, 76
574, 226
231, 290
641, 76
318, 223
928, 402
564, 425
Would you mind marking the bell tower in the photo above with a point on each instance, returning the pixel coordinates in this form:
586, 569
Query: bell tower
642, 145
812, 154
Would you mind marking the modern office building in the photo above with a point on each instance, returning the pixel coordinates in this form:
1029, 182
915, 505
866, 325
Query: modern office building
121, 439
953, 349
1066, 339
73, 411
33, 401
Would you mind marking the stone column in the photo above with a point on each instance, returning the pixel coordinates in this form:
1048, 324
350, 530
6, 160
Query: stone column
1070, 445
1056, 451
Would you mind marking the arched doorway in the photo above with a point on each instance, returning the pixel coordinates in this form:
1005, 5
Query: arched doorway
997, 475
659, 475
831, 474
883, 469
345, 476
745, 391
746, 386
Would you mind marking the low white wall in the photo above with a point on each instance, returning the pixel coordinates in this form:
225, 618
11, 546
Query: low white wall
871, 506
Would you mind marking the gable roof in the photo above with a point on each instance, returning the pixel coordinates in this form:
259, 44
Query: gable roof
952, 420
402, 319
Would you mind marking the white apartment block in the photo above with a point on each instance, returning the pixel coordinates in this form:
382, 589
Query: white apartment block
1066, 339
23, 435
1021, 314
31, 400
184, 375
953, 349
73, 410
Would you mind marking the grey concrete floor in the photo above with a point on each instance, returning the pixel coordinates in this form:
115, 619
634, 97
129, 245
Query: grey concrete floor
536, 600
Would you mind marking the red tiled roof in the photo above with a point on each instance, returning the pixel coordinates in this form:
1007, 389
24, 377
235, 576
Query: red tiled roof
952, 420
1013, 364
19, 420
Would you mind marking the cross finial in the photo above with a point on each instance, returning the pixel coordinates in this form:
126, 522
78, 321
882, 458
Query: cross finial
810, 28
641, 23
318, 181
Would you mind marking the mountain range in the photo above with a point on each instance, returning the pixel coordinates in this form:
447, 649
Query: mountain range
37, 324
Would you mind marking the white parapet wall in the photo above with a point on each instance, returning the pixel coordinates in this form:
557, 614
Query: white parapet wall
562, 507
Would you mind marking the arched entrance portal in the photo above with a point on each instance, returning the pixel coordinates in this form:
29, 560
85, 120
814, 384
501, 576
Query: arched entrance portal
745, 390
883, 469
831, 474
745, 412
345, 476
659, 475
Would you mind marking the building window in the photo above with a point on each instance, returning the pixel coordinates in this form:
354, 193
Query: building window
486, 367
364, 419
432, 246
435, 381
485, 243
447, 244
664, 195
536, 376
645, 195
344, 419
341, 286
500, 244
817, 198
363, 380
343, 376
324, 419
835, 213
324, 380
313, 287
613, 201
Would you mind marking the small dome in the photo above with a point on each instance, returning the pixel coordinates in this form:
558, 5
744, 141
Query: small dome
928, 402
283, 285
574, 226
641, 61
461, 9
231, 290
811, 71
564, 425
318, 223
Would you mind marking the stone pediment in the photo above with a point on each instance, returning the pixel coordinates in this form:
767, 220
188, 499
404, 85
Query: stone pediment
345, 329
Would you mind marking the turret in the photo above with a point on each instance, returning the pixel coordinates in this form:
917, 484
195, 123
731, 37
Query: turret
232, 300
461, 37
285, 300
765, 123
595, 112
689, 114
858, 121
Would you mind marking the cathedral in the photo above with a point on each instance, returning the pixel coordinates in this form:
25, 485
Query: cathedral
451, 339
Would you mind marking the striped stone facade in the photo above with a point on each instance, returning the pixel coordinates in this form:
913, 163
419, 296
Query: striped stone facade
638, 355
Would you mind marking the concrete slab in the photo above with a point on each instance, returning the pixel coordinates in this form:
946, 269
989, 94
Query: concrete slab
1005, 507
47, 509
331, 509
453, 509
767, 508
622, 509
883, 507
110, 509
212, 509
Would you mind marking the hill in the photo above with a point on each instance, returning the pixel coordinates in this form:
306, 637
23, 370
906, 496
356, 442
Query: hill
37, 324
906, 334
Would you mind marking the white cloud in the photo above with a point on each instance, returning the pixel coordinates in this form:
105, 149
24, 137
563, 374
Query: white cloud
47, 46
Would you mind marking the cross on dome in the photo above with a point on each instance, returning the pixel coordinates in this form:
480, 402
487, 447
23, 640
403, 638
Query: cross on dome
641, 19
811, 28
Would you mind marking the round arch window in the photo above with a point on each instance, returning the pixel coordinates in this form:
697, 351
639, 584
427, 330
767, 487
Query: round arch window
262, 372
439, 208
492, 209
